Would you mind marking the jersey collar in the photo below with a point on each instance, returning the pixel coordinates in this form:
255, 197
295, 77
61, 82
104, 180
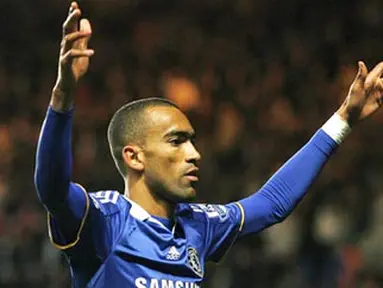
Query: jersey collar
141, 214
137, 211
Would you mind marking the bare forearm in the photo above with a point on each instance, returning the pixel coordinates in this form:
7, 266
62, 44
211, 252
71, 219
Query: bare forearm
61, 101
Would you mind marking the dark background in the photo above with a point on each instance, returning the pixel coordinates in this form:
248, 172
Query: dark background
256, 78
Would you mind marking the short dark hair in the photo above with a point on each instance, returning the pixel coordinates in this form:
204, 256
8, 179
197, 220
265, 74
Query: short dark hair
128, 125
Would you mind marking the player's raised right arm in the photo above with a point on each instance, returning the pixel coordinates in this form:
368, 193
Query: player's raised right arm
62, 198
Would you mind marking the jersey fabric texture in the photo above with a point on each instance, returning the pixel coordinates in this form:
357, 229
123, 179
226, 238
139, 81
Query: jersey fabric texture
123, 246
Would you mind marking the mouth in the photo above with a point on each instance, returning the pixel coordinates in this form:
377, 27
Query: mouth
192, 175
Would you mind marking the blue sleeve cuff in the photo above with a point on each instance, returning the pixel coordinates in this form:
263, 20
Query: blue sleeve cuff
51, 111
324, 142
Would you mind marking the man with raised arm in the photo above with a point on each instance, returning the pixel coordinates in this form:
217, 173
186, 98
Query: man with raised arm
151, 235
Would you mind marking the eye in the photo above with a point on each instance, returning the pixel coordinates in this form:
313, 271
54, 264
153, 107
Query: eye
177, 141
181, 138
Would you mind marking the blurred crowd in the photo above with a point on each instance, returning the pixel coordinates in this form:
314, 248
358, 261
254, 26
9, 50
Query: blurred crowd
256, 78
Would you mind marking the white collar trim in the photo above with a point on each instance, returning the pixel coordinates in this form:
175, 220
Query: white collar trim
137, 211
141, 214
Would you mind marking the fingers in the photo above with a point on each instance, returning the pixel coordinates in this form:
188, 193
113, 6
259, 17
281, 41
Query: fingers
71, 23
361, 75
375, 74
73, 6
379, 85
86, 28
75, 53
76, 36
363, 71
71, 38
379, 100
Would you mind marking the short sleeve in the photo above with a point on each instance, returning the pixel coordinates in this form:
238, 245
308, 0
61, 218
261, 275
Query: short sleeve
101, 226
223, 225
66, 223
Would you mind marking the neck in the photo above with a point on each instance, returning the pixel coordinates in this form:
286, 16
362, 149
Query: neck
137, 191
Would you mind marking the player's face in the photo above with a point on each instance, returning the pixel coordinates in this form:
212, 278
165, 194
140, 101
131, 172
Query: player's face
171, 159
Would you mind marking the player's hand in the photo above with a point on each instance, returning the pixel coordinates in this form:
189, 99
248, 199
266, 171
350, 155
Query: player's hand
74, 56
365, 95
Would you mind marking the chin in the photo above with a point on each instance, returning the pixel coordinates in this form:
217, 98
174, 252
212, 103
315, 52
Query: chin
191, 194
187, 195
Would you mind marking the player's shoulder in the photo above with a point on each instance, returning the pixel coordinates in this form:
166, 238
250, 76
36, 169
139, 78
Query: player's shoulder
108, 201
205, 212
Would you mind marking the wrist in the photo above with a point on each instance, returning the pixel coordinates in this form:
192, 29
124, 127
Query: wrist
337, 127
349, 115
61, 101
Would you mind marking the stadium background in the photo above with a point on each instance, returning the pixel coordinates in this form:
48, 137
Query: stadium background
256, 77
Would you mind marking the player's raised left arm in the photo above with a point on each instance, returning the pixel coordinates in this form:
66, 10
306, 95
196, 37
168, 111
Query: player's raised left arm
284, 190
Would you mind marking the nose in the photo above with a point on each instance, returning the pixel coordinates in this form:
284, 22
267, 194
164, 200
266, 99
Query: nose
192, 154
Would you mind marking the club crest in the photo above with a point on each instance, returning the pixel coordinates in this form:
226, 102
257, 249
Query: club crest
193, 261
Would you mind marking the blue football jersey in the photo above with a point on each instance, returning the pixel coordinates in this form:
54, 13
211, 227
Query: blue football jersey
120, 245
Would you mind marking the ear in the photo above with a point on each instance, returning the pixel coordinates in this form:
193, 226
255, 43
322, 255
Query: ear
133, 157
